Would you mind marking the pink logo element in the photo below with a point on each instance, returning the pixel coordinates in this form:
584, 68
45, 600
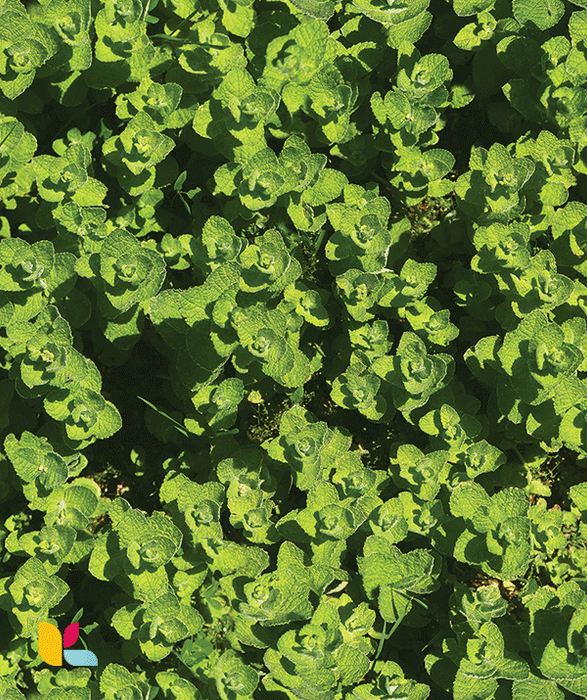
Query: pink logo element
70, 635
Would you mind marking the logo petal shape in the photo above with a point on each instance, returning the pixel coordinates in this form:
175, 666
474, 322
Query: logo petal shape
70, 635
80, 657
50, 647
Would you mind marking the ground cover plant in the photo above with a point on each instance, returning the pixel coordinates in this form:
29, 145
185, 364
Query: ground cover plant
293, 330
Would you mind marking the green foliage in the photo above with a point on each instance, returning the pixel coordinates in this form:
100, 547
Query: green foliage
293, 331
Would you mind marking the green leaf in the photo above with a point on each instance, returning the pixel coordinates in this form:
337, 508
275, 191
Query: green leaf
544, 14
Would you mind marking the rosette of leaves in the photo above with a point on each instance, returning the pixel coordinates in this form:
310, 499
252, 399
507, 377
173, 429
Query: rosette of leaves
451, 429
310, 185
271, 338
157, 624
569, 231
391, 681
68, 24
236, 114
501, 248
195, 508
258, 526
361, 238
116, 682
129, 272
325, 522
423, 78
480, 605
31, 274
430, 321
391, 577
267, 265
302, 166
249, 488
281, 596
365, 241
492, 190
17, 148
309, 303
422, 474
52, 546
413, 373
45, 355
553, 175
216, 407
82, 228
361, 292
137, 548
135, 153
387, 520
217, 244
44, 473
234, 679
306, 445
48, 353
36, 464
537, 287
538, 361
417, 174
492, 532
124, 15
358, 486
557, 634
159, 100
401, 20
121, 39
483, 657
403, 120
25, 266
371, 339
149, 542
327, 99
358, 388
345, 626
29, 595
295, 58
24, 48
410, 113
174, 686
421, 517
74, 504
409, 286
261, 180
66, 177
86, 416
304, 662
481, 457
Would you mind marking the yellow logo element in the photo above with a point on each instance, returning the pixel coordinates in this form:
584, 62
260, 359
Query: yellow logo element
50, 644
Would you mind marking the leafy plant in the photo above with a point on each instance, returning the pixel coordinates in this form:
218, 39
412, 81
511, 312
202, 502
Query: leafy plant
293, 330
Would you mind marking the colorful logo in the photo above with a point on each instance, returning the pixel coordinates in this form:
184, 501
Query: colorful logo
51, 646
